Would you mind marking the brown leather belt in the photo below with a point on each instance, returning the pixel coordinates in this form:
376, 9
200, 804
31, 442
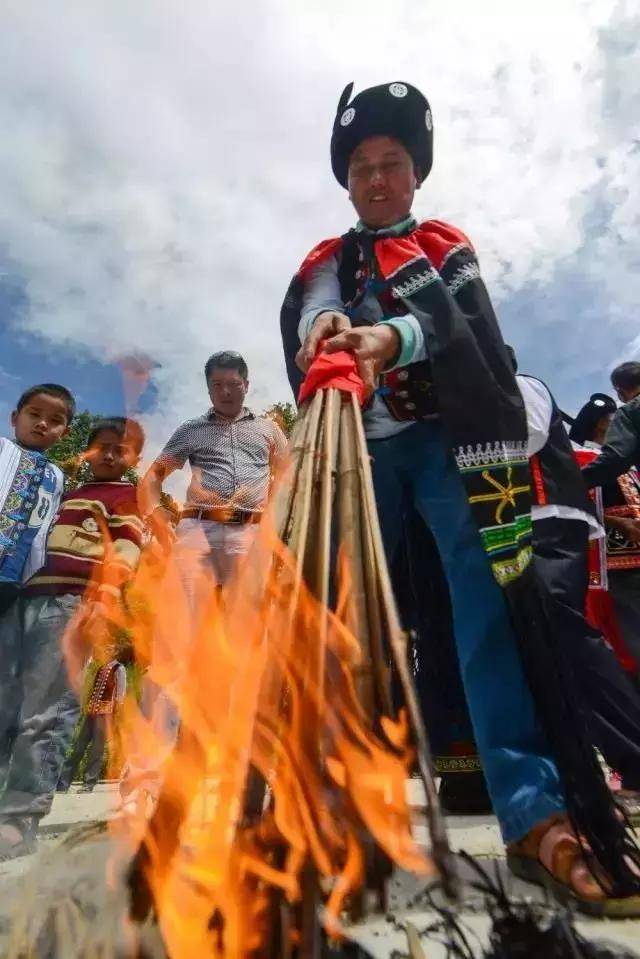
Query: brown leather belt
219, 514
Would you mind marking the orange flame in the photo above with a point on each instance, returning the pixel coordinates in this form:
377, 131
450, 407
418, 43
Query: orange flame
276, 769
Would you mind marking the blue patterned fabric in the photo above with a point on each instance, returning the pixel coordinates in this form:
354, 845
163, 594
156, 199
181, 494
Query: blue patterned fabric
21, 505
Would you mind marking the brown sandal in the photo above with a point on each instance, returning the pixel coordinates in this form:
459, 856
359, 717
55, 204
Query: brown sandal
550, 855
629, 800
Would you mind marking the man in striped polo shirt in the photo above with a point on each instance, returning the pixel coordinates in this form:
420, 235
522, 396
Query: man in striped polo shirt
232, 454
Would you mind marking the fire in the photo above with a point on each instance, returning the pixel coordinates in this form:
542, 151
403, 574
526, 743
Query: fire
282, 788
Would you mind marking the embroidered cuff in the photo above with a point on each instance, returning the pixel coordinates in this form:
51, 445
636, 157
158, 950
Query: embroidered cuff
411, 341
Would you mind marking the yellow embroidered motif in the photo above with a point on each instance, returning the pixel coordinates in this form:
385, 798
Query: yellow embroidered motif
505, 495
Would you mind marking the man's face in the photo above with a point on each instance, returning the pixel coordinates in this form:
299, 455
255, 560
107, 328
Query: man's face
624, 395
382, 181
227, 390
110, 455
42, 421
601, 428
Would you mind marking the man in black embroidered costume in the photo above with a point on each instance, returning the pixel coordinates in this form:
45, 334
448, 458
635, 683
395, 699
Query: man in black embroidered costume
617, 470
448, 437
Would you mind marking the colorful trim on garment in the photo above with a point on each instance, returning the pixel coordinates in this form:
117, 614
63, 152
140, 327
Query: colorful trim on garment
462, 276
538, 482
497, 479
457, 764
621, 553
20, 499
491, 454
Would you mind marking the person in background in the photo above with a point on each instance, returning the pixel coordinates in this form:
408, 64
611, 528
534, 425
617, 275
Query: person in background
105, 689
564, 520
92, 548
30, 485
30, 491
621, 505
621, 448
234, 455
615, 470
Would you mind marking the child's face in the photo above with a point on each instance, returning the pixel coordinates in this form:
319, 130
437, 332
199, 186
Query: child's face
110, 456
42, 421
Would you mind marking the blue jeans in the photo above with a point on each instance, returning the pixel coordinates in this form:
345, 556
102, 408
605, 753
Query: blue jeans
38, 710
418, 465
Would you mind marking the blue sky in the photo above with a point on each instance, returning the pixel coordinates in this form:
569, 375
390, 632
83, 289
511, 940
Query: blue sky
28, 358
163, 178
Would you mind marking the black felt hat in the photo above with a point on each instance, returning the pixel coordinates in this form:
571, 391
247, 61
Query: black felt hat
599, 405
392, 109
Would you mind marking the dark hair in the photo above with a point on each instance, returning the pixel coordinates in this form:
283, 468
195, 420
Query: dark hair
226, 360
626, 376
49, 389
124, 427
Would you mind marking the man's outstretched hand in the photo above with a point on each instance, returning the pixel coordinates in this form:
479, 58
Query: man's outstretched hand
373, 347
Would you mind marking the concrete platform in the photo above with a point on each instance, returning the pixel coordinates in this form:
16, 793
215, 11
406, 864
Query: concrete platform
380, 937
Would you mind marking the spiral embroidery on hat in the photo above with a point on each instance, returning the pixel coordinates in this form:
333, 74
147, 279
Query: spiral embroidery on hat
347, 117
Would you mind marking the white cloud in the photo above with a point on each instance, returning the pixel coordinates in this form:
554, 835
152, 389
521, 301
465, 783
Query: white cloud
165, 167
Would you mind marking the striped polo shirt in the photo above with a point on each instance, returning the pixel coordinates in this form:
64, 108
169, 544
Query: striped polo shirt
231, 459
97, 523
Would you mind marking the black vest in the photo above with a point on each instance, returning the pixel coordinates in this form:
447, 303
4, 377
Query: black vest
556, 478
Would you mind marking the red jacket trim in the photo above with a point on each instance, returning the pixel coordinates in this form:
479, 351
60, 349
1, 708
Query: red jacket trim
433, 238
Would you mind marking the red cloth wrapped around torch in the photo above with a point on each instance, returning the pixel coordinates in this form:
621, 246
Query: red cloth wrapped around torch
338, 371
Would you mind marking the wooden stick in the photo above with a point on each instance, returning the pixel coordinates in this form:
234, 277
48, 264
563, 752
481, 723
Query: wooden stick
323, 555
349, 534
413, 940
372, 592
286, 488
440, 842
297, 540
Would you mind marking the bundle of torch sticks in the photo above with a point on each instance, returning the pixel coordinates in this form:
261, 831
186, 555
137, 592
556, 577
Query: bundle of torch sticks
305, 756
328, 499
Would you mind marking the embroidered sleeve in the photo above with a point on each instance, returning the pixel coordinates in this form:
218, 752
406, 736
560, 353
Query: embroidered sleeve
321, 292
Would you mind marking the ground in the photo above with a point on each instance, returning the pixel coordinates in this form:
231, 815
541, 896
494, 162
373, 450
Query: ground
477, 835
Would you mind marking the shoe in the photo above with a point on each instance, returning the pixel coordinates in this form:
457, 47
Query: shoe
465, 794
629, 800
87, 788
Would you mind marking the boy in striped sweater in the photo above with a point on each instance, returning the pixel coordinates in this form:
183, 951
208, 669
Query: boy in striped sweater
105, 507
